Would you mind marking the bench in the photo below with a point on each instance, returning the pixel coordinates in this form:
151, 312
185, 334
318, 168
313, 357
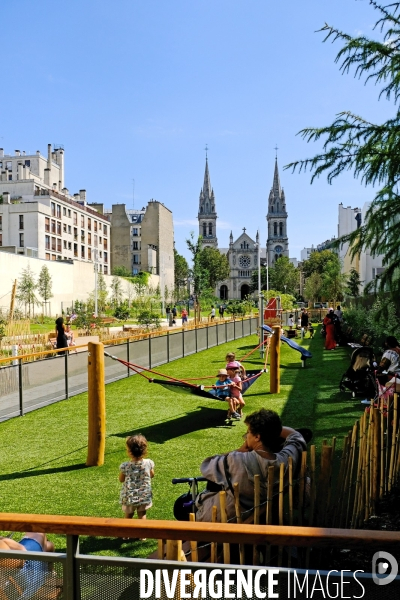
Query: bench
108, 320
364, 341
52, 339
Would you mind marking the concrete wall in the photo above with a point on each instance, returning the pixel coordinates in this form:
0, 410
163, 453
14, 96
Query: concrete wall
70, 281
158, 230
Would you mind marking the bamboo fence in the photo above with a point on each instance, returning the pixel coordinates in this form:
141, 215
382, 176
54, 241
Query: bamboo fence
342, 490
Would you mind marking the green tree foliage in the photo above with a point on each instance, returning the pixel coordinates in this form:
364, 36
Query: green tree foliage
148, 318
287, 300
254, 280
26, 290
44, 284
116, 291
181, 274
209, 266
353, 283
121, 272
314, 287
374, 322
284, 276
370, 150
122, 311
318, 261
102, 295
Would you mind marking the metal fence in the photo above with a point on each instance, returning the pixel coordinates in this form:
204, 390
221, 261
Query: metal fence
27, 386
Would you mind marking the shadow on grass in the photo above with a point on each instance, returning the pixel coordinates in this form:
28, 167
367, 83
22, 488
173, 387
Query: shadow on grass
202, 418
37, 472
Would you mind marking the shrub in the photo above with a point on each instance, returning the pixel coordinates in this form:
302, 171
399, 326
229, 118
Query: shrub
148, 318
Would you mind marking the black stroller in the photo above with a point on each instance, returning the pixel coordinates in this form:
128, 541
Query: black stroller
360, 377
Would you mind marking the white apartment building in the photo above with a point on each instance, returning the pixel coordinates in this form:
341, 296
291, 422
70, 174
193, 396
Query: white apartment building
40, 218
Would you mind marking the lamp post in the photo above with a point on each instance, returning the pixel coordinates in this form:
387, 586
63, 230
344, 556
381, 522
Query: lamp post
260, 296
95, 252
189, 281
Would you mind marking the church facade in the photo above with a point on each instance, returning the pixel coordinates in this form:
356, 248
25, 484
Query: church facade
242, 253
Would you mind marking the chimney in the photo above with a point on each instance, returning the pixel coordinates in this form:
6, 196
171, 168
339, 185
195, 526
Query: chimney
49, 156
23, 153
54, 186
20, 171
47, 176
37, 152
77, 197
17, 153
1, 152
3, 176
83, 195
6, 198
65, 191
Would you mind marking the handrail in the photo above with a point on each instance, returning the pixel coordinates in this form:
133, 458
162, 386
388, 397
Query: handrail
274, 535
155, 333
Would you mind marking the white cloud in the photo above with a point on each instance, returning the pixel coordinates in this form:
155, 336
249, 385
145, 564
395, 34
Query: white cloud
186, 222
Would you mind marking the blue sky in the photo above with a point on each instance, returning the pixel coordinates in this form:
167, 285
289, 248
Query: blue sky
135, 90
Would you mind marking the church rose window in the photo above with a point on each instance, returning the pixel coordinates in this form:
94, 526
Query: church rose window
278, 249
244, 261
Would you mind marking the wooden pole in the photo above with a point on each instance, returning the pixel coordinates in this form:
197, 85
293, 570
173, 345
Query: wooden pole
12, 303
96, 405
275, 357
375, 458
281, 490
193, 545
238, 519
394, 439
302, 482
270, 499
224, 519
213, 558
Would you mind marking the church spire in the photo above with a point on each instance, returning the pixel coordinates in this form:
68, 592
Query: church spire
207, 215
207, 184
276, 186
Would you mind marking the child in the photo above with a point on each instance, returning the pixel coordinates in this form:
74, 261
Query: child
222, 392
311, 330
230, 358
236, 387
136, 475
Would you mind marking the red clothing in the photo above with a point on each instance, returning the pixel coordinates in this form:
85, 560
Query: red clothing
330, 341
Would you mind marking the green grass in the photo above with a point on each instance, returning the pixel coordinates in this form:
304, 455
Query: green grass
42, 455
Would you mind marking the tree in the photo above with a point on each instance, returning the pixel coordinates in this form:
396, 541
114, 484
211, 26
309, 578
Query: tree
148, 318
116, 290
26, 289
44, 284
284, 276
353, 283
209, 266
121, 272
102, 294
181, 275
314, 287
254, 280
318, 261
371, 151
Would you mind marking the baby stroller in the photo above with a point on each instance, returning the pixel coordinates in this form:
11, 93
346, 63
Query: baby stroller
360, 377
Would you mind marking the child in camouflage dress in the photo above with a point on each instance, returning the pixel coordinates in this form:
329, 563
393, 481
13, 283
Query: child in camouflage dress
135, 475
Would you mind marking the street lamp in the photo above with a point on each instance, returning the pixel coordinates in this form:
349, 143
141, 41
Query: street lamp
260, 296
95, 252
189, 281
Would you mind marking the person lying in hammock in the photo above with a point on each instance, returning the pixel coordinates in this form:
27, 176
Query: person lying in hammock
222, 392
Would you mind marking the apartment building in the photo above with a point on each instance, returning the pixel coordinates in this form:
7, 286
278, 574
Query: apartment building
143, 240
40, 218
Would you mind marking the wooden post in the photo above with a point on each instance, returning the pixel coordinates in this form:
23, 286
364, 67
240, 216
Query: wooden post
12, 303
394, 439
238, 519
375, 459
214, 552
256, 516
224, 519
275, 357
193, 545
96, 405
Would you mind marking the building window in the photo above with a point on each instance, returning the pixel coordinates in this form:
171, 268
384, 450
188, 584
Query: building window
53, 209
105, 257
27, 163
47, 255
58, 211
106, 244
100, 254
69, 229
275, 228
58, 245
105, 270
9, 165
89, 253
135, 231
1, 239
204, 229
210, 229
135, 246
82, 235
53, 257
46, 224
82, 251
100, 268
65, 244
1, 222
58, 228
69, 246
53, 226
82, 221
89, 238
53, 243
47, 242
64, 211
100, 240
94, 225
95, 241
64, 227
89, 224
280, 229
75, 218
75, 233
10, 178
105, 229
99, 226
135, 271
76, 250
69, 213
136, 259
21, 240
21, 221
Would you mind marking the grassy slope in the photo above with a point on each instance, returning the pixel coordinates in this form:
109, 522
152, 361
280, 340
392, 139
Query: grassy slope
42, 455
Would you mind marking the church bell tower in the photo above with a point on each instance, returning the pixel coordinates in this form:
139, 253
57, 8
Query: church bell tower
207, 215
278, 241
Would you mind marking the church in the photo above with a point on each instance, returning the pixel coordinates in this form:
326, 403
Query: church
242, 253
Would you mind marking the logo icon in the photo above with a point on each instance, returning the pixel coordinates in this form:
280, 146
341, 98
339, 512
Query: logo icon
384, 568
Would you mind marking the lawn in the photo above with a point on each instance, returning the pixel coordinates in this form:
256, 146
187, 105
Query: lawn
42, 455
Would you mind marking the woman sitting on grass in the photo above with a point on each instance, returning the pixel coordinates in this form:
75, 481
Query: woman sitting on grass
261, 449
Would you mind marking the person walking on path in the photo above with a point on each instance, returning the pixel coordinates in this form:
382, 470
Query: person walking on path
212, 313
136, 475
62, 341
329, 323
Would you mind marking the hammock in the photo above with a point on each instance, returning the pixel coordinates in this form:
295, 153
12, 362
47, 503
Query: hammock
200, 390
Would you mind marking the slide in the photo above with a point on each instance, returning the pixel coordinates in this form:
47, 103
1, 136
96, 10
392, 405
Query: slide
303, 351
